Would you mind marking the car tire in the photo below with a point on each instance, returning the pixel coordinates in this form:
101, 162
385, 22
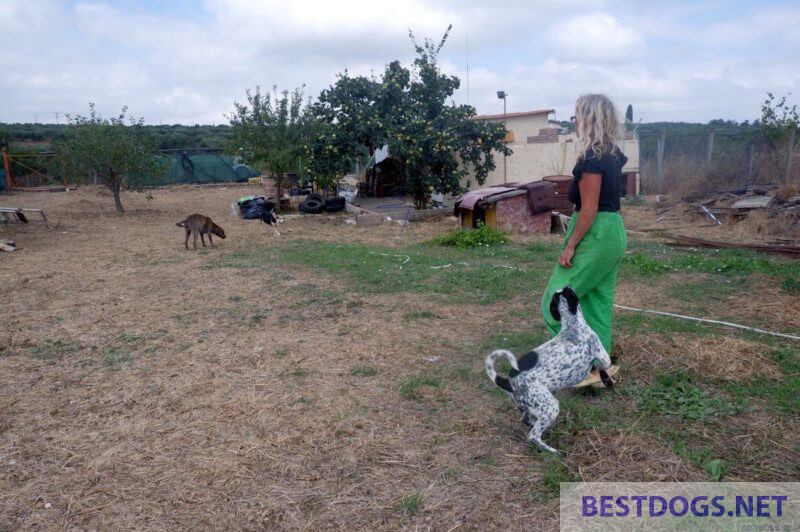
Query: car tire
334, 204
312, 206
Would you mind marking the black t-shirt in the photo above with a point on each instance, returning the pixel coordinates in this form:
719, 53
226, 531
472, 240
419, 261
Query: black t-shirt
609, 165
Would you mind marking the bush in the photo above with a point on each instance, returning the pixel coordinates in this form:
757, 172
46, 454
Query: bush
470, 238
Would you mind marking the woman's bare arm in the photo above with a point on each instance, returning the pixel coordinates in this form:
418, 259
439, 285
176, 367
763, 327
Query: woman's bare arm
589, 186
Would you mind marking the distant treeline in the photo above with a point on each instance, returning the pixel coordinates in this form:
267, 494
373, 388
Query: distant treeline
680, 136
169, 137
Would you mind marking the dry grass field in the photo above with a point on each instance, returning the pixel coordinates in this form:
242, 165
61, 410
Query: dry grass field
332, 378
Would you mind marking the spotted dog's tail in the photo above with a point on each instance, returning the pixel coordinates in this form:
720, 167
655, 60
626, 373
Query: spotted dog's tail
182, 223
495, 378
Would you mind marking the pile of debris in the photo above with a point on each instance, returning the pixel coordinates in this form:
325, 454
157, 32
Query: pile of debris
7, 245
738, 204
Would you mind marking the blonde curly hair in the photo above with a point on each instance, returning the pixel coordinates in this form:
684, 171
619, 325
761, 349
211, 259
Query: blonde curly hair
597, 125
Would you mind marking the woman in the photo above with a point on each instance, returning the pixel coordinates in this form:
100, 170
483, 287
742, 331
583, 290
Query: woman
596, 240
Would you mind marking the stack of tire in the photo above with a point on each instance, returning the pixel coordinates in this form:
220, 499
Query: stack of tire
316, 204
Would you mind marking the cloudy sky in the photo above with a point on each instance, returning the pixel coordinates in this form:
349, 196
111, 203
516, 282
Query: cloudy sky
182, 61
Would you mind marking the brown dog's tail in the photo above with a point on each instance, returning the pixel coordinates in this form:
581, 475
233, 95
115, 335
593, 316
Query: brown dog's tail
181, 223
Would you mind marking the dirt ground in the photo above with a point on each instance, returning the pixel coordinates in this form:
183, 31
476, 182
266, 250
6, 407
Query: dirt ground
142, 389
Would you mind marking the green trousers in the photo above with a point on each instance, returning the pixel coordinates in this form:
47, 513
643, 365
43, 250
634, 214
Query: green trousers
593, 274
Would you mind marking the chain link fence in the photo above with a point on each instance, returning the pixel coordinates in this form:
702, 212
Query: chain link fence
687, 166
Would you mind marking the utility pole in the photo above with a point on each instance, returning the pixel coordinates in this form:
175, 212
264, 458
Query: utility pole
502, 95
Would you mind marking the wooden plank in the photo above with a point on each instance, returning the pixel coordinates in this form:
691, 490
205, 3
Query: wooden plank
754, 202
686, 241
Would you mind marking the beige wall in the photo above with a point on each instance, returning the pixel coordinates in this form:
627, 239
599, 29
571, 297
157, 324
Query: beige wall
531, 162
526, 126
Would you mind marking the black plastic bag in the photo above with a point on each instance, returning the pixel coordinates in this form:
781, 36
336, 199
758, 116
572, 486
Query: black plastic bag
256, 208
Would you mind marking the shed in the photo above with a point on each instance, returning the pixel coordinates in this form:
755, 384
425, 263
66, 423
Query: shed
517, 208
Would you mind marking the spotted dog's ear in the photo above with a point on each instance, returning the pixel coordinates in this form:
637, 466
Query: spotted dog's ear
554, 306
572, 299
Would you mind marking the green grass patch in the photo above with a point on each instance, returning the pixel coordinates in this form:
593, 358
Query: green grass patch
115, 358
654, 259
131, 338
420, 315
410, 389
411, 504
518, 343
782, 397
633, 201
554, 472
791, 285
714, 287
470, 238
55, 349
644, 265
363, 371
478, 275
674, 395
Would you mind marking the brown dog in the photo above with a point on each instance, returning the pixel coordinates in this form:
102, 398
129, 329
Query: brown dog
202, 225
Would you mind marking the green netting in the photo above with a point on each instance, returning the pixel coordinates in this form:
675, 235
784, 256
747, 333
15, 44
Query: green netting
205, 168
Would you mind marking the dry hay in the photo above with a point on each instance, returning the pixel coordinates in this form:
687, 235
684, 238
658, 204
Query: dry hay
772, 307
719, 357
189, 396
621, 456
766, 224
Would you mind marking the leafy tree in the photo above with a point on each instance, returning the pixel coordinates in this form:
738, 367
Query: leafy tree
269, 132
629, 114
5, 137
119, 153
328, 157
779, 120
779, 125
435, 143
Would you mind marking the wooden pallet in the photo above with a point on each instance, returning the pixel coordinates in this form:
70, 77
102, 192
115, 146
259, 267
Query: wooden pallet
10, 213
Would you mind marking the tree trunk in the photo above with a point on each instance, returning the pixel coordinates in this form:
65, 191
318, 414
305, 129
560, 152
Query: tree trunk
114, 186
278, 193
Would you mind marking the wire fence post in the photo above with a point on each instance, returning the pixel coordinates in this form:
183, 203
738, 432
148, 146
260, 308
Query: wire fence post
750, 166
789, 153
659, 160
710, 149
9, 179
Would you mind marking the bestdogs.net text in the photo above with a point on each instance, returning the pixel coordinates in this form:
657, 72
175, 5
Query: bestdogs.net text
702, 506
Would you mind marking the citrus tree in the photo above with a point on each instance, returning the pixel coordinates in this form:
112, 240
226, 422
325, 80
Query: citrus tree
435, 142
269, 132
121, 153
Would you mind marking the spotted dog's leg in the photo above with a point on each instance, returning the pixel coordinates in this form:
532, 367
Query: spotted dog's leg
544, 406
527, 419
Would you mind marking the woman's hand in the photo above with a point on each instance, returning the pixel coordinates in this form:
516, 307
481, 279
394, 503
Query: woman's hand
566, 257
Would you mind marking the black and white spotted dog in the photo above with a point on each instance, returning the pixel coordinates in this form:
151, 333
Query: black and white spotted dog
559, 363
269, 218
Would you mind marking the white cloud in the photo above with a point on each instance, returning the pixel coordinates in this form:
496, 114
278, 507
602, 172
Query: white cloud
169, 68
597, 37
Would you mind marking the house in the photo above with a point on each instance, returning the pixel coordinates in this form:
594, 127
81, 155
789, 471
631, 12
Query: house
542, 149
